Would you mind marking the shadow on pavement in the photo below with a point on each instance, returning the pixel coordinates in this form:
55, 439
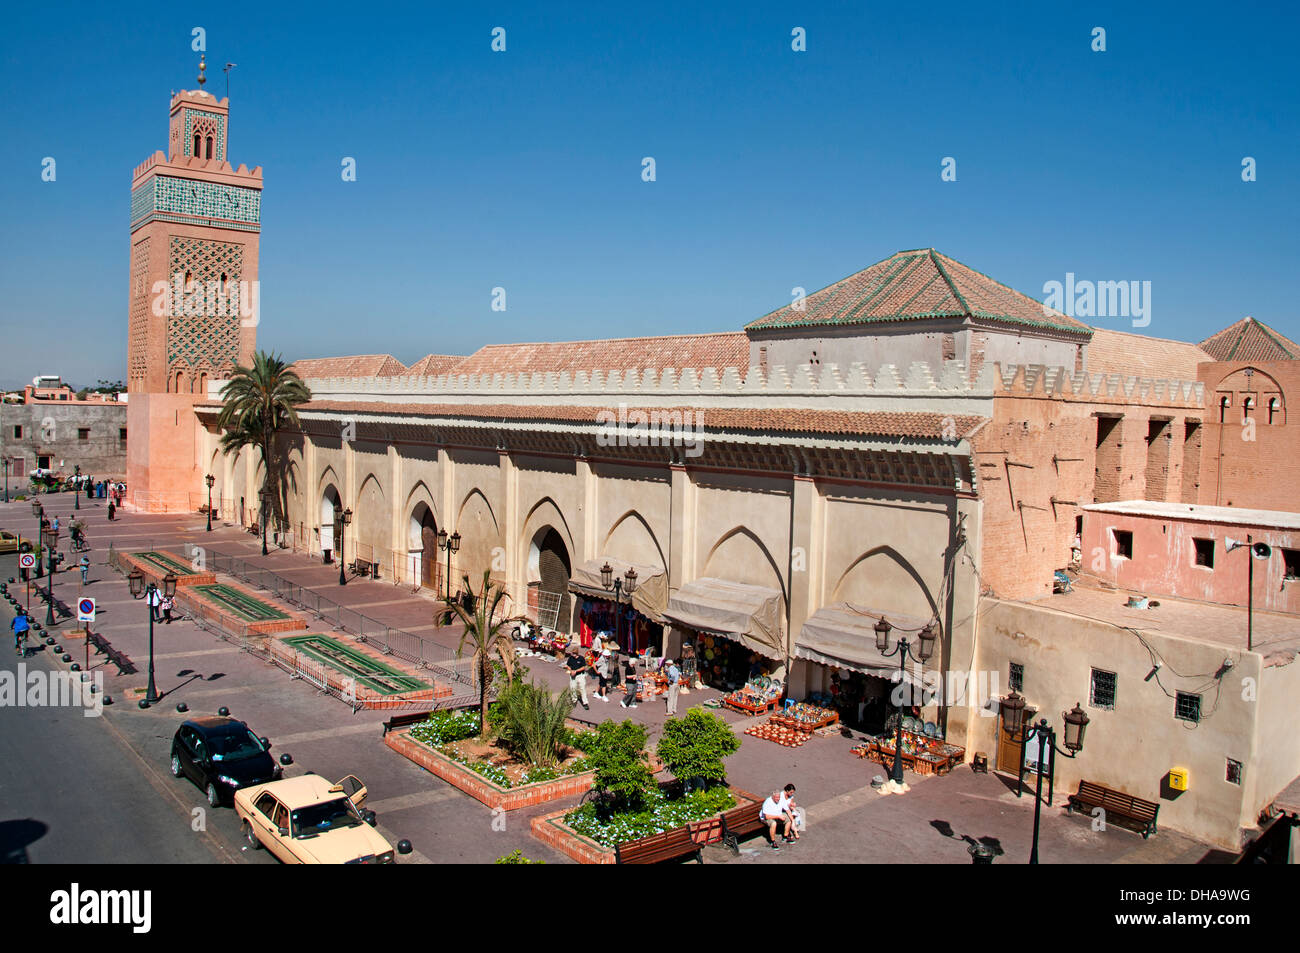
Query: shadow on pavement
17, 836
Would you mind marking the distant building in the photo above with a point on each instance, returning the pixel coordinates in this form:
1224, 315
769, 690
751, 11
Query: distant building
54, 430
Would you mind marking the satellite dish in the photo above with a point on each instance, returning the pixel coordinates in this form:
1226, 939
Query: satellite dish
1261, 550
1231, 543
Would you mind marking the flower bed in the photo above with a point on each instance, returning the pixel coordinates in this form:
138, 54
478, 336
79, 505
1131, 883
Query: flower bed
660, 814
555, 831
446, 746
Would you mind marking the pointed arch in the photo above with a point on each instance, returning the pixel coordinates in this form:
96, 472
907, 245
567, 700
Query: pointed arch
883, 584
546, 511
726, 565
631, 538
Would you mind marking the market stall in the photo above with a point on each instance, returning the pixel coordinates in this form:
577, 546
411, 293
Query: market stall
841, 667
635, 622
923, 753
737, 630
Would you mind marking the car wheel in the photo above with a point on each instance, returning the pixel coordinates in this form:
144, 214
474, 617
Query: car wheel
251, 837
214, 796
176, 765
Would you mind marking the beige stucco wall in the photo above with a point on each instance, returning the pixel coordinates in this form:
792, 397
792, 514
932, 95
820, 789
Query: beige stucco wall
1133, 746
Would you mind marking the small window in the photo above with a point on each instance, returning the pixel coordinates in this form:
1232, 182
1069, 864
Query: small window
1234, 772
1247, 406
1017, 677
1123, 543
1274, 409
43, 463
197, 140
83, 433
1224, 403
121, 434
18, 433
1187, 707
1204, 552
1291, 563
1103, 689
209, 143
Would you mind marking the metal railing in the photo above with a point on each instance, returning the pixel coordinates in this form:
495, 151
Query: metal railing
425, 653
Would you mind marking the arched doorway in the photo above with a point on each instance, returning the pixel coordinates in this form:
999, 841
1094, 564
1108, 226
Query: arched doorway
549, 571
329, 505
422, 551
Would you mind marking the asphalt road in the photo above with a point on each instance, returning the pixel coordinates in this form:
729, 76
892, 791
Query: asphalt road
72, 791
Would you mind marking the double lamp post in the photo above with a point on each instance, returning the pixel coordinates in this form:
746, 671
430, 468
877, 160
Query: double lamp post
619, 585
135, 579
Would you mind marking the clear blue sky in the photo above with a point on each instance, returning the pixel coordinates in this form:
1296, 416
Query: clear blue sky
522, 169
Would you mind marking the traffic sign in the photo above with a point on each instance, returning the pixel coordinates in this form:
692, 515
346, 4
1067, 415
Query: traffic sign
27, 561
85, 609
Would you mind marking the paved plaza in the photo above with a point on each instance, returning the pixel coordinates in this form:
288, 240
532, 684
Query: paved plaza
848, 821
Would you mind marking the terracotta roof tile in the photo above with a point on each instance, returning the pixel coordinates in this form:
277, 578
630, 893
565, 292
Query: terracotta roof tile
1250, 340
729, 349
1118, 352
918, 424
355, 365
433, 365
915, 285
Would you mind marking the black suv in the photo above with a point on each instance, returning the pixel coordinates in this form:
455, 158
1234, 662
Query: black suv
221, 755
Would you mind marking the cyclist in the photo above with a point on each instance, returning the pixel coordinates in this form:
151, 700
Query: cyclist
21, 624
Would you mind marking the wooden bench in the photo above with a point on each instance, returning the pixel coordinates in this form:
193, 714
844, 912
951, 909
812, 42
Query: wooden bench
1124, 808
739, 822
658, 848
402, 721
361, 567
102, 646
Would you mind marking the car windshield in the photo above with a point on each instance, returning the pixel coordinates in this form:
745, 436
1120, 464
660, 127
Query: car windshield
323, 818
234, 746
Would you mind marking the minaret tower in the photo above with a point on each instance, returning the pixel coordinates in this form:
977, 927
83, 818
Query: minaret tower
195, 224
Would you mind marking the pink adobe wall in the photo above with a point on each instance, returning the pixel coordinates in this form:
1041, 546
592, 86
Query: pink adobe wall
1164, 561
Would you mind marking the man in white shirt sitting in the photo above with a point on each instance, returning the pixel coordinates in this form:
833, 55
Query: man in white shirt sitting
778, 809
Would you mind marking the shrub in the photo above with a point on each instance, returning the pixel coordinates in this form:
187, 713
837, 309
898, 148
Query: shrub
658, 814
693, 747
529, 721
516, 856
617, 753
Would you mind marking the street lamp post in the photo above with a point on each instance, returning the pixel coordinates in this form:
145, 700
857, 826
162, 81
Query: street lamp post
343, 518
50, 537
209, 480
1256, 551
76, 488
39, 512
450, 545
903, 650
136, 581
6, 456
618, 585
265, 496
1013, 721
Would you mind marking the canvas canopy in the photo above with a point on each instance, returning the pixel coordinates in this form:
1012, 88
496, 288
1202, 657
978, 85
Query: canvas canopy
649, 598
844, 636
750, 615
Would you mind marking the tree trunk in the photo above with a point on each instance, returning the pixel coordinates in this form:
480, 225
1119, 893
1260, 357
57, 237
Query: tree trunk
482, 696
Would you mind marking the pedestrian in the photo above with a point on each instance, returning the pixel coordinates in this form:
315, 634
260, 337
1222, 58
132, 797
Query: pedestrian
674, 676
154, 598
84, 565
20, 625
112, 508
166, 606
776, 810
603, 661
55, 524
578, 678
629, 680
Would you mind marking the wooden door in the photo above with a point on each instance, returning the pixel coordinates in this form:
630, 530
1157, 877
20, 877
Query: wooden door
1010, 750
429, 558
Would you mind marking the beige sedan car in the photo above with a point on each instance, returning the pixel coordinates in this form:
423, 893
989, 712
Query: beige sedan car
308, 820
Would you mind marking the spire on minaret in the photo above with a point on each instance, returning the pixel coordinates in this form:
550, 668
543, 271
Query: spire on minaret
202, 66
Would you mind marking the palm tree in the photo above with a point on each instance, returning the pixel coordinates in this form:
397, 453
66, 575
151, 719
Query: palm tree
488, 636
259, 401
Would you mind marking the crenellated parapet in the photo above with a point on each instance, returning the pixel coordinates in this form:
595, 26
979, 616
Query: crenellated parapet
828, 386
